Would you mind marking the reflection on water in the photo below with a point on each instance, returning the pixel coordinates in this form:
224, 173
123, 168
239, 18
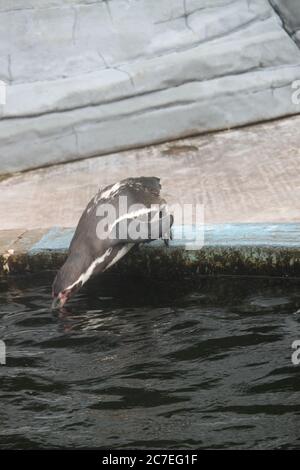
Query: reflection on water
144, 366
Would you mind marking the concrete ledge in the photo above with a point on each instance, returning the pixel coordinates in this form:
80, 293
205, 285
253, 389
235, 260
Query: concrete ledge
233, 249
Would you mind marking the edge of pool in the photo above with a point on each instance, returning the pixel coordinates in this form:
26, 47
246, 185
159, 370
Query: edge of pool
219, 249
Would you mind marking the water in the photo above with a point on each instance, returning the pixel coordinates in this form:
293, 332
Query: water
139, 366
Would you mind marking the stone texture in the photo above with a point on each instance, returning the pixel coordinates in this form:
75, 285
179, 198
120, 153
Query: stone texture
89, 77
26, 240
289, 11
244, 175
8, 238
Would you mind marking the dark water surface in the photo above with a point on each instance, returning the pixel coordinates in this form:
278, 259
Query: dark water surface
146, 367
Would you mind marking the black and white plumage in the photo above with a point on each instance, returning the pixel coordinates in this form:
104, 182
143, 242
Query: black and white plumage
91, 253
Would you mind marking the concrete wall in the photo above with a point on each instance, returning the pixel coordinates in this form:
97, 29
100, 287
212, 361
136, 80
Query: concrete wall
87, 77
289, 11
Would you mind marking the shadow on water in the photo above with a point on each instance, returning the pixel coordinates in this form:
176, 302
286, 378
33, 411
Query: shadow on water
130, 364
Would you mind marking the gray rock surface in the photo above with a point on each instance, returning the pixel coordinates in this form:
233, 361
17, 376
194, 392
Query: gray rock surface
289, 11
89, 77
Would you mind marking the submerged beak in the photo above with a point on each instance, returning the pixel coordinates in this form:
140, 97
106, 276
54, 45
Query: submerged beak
55, 303
59, 301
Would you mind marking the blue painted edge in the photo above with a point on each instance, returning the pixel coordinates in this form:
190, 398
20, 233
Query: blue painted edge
56, 239
216, 235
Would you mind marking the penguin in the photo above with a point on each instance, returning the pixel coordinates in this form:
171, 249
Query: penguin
116, 219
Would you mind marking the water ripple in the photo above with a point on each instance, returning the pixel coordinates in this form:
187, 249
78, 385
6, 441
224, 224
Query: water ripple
129, 365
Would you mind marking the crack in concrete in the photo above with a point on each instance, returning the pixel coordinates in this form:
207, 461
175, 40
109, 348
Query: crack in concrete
215, 37
235, 29
106, 65
9, 69
117, 68
186, 17
173, 50
248, 4
74, 27
130, 77
146, 93
190, 47
106, 3
52, 7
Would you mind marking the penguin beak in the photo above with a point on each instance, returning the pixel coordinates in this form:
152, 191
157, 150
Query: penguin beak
59, 301
55, 303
